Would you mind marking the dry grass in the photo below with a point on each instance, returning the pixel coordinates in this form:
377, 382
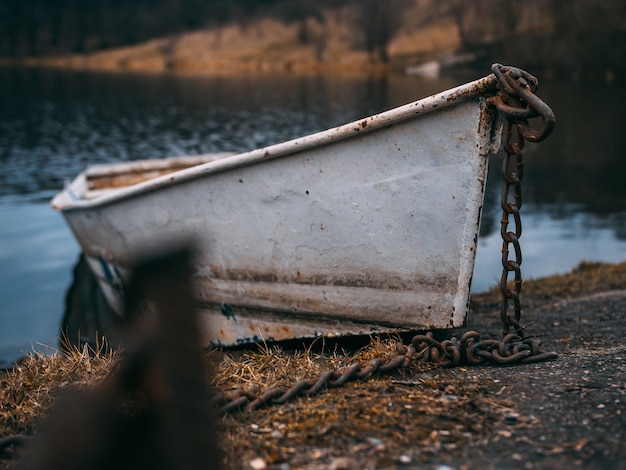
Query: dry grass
400, 409
271, 366
28, 391
587, 278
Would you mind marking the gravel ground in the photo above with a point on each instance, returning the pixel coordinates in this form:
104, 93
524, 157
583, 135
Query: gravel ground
570, 412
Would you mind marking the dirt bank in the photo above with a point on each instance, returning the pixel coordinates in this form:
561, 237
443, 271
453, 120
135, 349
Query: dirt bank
567, 413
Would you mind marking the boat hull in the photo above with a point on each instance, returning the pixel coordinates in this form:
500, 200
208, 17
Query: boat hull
365, 228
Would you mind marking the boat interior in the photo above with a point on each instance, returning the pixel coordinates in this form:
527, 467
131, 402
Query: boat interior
101, 178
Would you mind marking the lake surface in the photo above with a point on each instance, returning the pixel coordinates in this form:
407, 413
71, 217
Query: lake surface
55, 123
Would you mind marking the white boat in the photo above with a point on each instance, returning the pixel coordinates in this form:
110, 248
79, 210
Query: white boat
367, 227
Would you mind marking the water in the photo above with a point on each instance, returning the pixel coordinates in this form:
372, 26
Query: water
54, 123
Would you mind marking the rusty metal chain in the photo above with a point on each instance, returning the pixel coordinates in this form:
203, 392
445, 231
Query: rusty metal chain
468, 350
516, 103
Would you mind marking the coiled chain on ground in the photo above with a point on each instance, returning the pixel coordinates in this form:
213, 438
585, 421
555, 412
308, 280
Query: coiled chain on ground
470, 349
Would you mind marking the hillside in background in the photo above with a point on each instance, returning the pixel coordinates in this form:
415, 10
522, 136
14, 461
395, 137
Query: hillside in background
579, 37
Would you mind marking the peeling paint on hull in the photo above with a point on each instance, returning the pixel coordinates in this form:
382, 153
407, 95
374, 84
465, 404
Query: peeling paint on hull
371, 226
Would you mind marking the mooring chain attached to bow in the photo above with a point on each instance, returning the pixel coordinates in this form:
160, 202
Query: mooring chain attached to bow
517, 103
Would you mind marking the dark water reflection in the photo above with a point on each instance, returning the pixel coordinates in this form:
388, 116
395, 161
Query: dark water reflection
54, 123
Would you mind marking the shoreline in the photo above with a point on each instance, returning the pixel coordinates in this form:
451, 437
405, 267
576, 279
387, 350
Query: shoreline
267, 45
580, 315
239, 68
332, 39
